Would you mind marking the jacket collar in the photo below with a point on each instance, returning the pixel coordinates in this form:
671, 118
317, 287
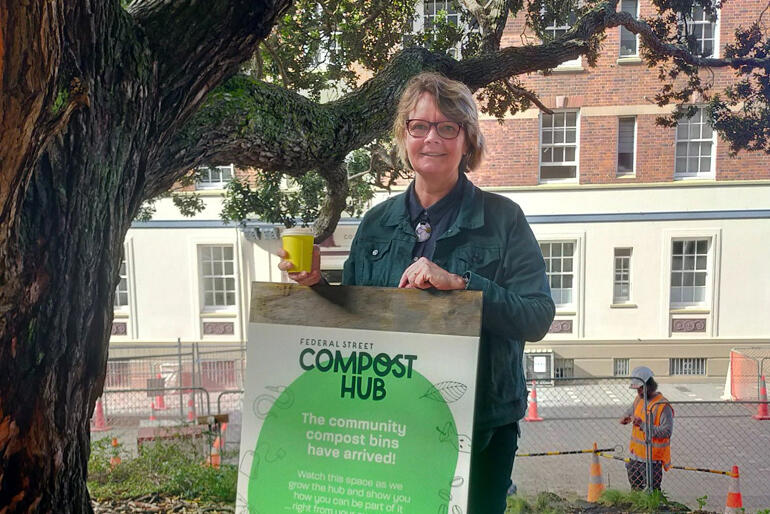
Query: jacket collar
471, 213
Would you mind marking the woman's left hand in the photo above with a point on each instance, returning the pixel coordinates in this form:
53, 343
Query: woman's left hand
424, 274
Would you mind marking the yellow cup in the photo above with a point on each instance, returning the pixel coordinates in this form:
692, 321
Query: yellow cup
298, 243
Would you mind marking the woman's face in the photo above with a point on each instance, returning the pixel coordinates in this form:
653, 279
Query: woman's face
433, 156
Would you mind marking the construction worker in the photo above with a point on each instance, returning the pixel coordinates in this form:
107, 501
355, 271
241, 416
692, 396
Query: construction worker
661, 427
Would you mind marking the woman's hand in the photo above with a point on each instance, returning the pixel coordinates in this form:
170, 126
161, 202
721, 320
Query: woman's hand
303, 278
424, 274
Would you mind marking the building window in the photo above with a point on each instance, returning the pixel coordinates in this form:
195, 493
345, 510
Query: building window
694, 147
118, 375
620, 367
687, 366
450, 9
689, 268
558, 146
628, 41
559, 259
121, 292
217, 276
626, 146
701, 30
214, 177
563, 368
556, 28
219, 374
621, 287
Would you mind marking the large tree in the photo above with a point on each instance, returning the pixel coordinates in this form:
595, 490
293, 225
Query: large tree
103, 106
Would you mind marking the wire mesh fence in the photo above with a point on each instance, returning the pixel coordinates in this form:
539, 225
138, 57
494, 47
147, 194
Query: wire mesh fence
711, 436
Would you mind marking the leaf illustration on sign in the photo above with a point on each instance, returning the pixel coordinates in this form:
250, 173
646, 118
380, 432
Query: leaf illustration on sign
448, 434
448, 391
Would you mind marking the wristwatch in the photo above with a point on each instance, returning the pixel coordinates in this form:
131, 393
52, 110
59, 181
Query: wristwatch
466, 278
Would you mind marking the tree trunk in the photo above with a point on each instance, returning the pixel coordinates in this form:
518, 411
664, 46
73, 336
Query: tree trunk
90, 93
53, 351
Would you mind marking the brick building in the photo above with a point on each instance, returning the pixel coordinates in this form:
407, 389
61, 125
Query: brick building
655, 239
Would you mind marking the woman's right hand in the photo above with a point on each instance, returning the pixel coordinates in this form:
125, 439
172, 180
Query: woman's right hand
303, 278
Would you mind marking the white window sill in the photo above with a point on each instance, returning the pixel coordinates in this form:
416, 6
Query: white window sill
564, 313
558, 182
623, 306
230, 313
629, 60
120, 313
572, 68
683, 309
710, 177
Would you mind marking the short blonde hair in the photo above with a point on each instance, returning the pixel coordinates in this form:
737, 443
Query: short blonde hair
454, 100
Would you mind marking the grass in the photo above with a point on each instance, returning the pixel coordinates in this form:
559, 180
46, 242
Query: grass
167, 468
611, 501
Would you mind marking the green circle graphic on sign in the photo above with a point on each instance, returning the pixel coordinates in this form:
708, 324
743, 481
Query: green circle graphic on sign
319, 451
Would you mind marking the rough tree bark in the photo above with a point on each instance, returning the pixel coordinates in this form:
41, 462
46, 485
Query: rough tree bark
90, 93
101, 108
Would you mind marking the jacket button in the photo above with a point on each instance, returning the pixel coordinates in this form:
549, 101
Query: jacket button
375, 251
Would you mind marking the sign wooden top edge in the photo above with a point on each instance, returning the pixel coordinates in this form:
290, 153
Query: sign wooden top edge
368, 308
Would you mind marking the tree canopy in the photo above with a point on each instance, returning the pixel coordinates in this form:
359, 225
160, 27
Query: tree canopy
324, 50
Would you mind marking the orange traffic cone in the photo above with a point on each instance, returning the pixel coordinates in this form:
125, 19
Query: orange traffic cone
532, 411
191, 409
115, 459
762, 412
214, 459
734, 501
595, 484
160, 402
100, 425
152, 412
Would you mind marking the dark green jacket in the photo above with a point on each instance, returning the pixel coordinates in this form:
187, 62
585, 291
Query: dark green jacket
491, 240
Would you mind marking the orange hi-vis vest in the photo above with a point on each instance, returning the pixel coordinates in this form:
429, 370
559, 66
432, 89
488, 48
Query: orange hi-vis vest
661, 447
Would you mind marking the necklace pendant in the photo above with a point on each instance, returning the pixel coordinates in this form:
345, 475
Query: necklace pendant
423, 231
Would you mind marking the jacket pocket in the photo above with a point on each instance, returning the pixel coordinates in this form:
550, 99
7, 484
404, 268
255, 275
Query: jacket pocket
480, 260
375, 267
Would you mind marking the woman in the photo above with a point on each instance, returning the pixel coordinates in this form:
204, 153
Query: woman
445, 233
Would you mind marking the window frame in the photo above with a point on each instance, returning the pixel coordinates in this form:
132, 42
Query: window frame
572, 305
202, 291
574, 63
576, 162
631, 173
635, 55
617, 300
711, 174
119, 306
418, 24
689, 22
707, 272
214, 185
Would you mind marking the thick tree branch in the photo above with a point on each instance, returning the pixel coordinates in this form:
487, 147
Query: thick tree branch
205, 41
262, 125
491, 16
653, 43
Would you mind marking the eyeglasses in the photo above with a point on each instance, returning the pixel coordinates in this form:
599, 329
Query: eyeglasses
445, 129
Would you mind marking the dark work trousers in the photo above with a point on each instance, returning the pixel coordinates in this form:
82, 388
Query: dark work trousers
491, 468
637, 474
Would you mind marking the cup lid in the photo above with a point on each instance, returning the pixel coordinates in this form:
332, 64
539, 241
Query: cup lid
297, 231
